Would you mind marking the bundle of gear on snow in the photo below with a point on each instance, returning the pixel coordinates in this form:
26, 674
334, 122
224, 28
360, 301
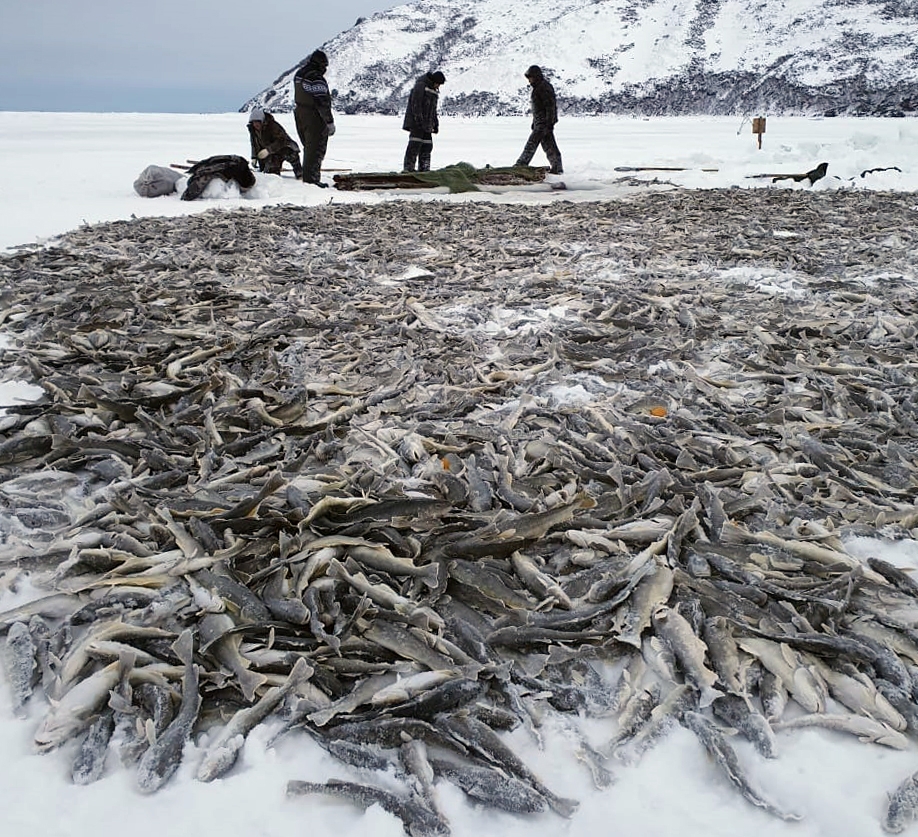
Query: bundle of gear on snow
155, 181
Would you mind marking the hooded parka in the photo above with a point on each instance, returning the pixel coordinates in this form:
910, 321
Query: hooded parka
421, 120
272, 137
315, 122
544, 117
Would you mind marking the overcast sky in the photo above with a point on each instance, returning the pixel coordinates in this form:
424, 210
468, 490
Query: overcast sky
159, 55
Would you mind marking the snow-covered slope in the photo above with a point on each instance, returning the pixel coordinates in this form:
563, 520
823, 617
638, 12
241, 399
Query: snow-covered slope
647, 56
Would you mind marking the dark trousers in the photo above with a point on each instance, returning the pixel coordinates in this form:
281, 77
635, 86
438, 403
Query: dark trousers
546, 138
420, 147
314, 135
273, 163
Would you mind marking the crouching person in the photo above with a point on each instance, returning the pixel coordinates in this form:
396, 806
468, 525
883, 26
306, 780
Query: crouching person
224, 166
272, 145
421, 120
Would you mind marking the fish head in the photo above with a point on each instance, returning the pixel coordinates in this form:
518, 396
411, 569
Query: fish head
56, 729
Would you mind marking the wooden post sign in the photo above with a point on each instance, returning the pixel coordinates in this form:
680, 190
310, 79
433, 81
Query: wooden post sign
758, 127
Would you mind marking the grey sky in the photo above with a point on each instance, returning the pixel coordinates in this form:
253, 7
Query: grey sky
158, 55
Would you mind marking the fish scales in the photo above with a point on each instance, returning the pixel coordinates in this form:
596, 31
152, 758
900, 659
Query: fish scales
690, 652
162, 759
19, 664
725, 757
237, 438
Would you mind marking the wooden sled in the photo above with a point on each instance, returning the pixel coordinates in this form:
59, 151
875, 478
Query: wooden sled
459, 178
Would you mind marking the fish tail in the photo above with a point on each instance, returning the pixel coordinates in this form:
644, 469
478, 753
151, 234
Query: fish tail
431, 575
561, 805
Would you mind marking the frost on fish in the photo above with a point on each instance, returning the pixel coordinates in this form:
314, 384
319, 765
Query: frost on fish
494, 789
89, 764
222, 754
726, 759
902, 806
419, 821
163, 757
19, 666
546, 480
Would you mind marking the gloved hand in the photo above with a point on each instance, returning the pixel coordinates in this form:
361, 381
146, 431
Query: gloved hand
331, 129
263, 154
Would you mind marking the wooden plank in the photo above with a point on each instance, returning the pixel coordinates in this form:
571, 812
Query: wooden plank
488, 176
658, 168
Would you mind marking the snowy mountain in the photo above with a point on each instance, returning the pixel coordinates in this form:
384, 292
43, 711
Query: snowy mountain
638, 56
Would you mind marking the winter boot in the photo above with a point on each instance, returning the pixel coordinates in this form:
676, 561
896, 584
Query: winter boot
411, 155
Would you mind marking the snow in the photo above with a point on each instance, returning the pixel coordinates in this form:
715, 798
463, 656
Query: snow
59, 171
62, 170
601, 48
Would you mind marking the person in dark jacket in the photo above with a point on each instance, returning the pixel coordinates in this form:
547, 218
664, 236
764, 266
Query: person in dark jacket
225, 166
421, 120
544, 117
315, 122
271, 144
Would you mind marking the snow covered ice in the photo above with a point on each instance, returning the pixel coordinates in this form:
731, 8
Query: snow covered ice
63, 170
59, 171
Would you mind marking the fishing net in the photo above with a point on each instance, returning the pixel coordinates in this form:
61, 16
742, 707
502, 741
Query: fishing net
458, 177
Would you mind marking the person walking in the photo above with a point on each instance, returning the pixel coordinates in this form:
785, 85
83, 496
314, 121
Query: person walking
271, 144
421, 120
315, 122
544, 118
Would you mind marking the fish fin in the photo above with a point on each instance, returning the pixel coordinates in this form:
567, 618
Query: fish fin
708, 696
789, 655
301, 671
471, 670
119, 703
184, 646
561, 805
126, 661
249, 682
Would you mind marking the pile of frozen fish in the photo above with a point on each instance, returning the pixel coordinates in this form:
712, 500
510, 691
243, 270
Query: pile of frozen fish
403, 477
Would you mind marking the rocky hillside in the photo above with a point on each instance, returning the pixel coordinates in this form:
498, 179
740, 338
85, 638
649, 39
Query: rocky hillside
631, 56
